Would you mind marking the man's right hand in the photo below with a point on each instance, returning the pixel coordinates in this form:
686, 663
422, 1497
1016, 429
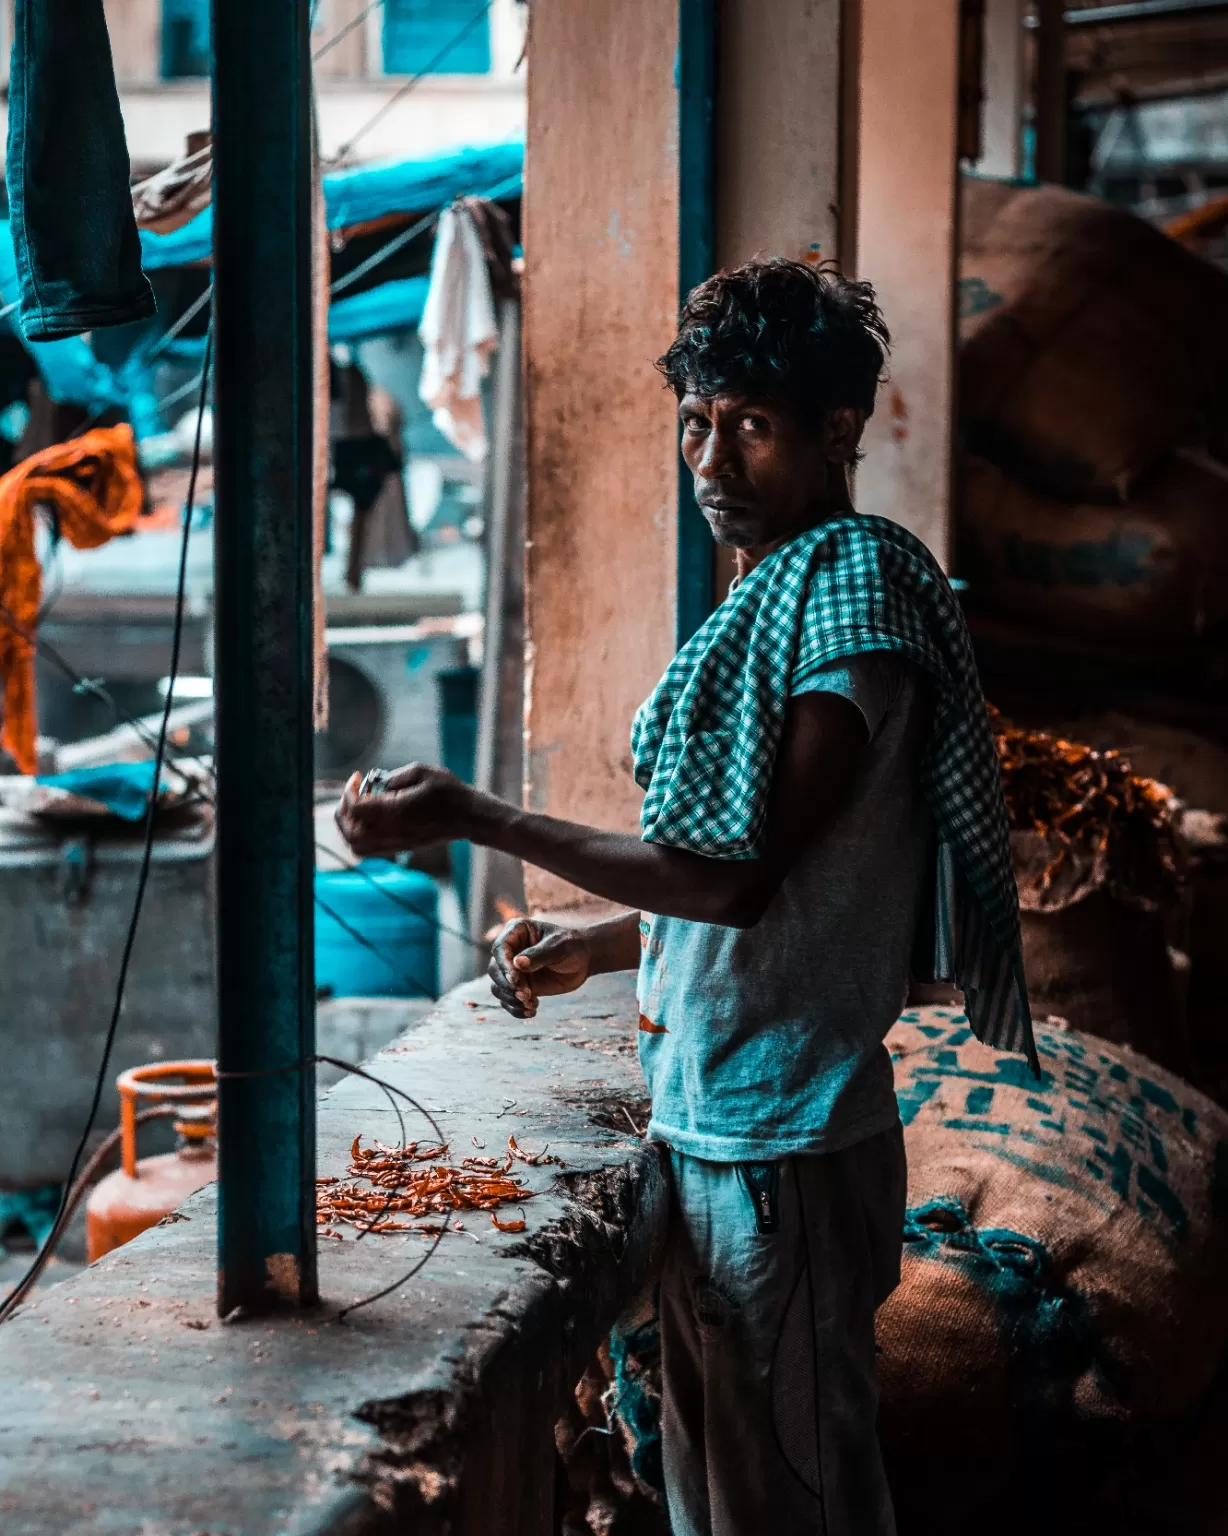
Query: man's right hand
531, 959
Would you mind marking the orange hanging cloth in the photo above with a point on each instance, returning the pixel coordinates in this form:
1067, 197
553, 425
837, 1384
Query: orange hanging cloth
93, 487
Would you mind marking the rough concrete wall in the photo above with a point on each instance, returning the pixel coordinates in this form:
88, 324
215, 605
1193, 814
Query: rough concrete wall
59, 951
600, 299
127, 1406
778, 134
906, 247
778, 141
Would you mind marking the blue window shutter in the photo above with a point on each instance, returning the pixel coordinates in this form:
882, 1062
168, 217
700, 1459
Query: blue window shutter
415, 31
185, 38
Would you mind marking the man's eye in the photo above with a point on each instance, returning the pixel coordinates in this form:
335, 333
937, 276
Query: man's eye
694, 424
754, 424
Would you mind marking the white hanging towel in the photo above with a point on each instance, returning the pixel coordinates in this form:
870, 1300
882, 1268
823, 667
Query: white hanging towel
459, 333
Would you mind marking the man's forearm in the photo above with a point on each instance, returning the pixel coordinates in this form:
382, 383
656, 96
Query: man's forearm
620, 867
613, 944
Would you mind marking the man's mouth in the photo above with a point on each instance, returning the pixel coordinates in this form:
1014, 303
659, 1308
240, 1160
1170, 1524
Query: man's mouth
720, 504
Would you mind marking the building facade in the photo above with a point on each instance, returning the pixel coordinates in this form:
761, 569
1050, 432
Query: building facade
468, 53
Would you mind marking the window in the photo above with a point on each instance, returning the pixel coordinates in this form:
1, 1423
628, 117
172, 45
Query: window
416, 32
185, 38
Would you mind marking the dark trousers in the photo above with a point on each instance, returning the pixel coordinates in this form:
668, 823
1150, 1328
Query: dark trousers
74, 234
772, 1276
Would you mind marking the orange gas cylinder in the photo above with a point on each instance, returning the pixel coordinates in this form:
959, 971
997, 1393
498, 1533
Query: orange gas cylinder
139, 1194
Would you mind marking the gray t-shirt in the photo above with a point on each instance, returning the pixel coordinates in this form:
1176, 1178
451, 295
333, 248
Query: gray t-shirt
765, 1042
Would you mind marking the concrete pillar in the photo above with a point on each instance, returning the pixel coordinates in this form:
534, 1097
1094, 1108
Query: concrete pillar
906, 245
600, 300
779, 142
1002, 110
601, 294
263, 329
778, 130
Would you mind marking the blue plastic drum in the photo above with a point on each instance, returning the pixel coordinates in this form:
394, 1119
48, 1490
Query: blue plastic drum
377, 928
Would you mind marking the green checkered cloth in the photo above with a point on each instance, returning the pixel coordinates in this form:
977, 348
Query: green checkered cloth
704, 743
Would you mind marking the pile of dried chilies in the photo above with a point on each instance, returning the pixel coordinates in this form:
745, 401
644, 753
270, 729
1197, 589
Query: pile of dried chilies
1081, 801
389, 1184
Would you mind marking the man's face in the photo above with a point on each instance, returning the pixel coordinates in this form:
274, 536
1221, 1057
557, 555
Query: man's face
761, 475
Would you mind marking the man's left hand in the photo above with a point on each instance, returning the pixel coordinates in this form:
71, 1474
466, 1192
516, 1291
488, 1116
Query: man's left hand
419, 805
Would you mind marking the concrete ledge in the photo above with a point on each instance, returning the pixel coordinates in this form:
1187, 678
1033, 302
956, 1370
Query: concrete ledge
128, 1406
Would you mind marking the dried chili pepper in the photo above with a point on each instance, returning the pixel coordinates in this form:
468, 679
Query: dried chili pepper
387, 1183
1081, 800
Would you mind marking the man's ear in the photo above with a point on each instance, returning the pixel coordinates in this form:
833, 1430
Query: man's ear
842, 431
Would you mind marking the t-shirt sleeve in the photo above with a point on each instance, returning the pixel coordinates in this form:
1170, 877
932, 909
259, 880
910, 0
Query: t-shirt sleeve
872, 681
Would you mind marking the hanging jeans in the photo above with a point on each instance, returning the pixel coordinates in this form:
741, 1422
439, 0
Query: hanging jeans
77, 247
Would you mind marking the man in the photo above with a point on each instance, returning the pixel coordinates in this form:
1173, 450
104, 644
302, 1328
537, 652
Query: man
822, 813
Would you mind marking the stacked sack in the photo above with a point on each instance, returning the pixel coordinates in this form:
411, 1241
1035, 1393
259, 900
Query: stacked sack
1050, 1358
1100, 864
1093, 385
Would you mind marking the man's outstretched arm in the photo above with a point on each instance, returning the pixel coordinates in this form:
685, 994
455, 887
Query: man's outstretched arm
822, 739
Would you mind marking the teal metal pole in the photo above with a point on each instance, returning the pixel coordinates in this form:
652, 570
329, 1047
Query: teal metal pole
696, 79
263, 653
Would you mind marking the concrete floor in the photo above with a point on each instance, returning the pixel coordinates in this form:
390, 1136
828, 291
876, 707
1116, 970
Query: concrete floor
129, 1407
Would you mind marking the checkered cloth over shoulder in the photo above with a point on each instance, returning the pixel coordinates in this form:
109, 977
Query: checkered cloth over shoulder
704, 743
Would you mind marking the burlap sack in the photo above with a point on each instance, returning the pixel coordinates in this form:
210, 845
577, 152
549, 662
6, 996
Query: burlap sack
1090, 343
1062, 1290
1096, 954
1153, 569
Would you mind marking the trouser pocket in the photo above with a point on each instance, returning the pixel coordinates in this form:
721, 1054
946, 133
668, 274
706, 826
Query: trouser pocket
761, 1181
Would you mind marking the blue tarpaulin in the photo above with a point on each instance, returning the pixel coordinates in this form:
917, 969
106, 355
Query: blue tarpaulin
124, 788
360, 195
390, 307
365, 193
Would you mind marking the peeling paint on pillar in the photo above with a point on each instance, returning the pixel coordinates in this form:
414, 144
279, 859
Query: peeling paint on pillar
601, 240
906, 248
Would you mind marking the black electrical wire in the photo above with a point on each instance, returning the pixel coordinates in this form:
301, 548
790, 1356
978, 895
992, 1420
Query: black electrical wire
390, 248
12, 1299
396, 1285
84, 685
415, 80
343, 32
402, 901
361, 939
93, 685
389, 1090
57, 571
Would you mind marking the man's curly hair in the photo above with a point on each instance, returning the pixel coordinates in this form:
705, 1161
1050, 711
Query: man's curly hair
782, 330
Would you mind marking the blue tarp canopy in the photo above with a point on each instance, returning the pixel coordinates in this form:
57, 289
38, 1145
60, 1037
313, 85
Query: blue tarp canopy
354, 197
390, 307
364, 194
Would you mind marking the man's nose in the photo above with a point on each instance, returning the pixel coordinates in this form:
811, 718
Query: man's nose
716, 461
